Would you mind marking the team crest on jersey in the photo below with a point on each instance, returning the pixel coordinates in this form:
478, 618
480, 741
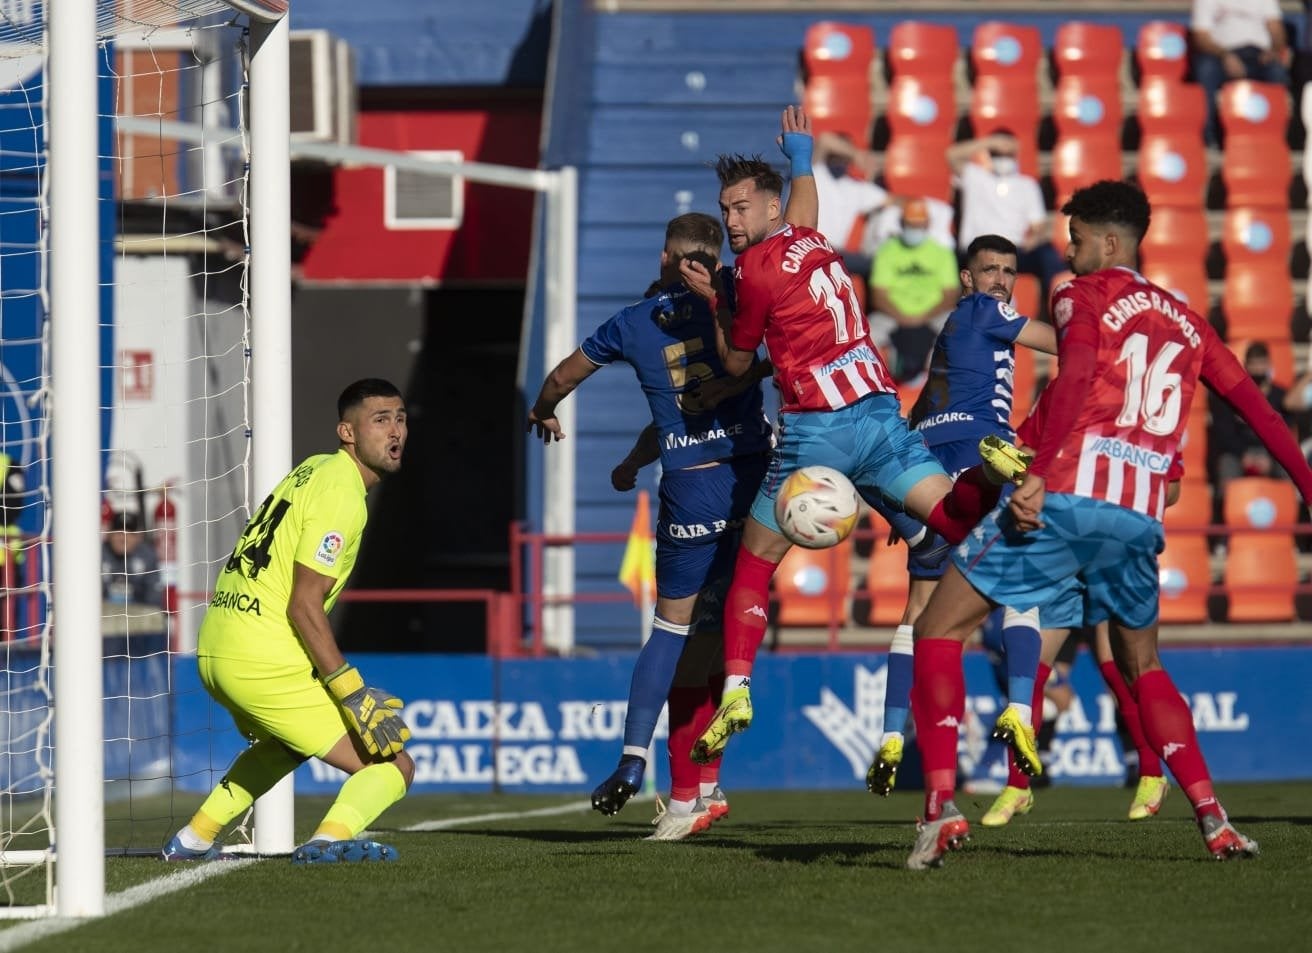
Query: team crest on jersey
330, 547
1061, 312
1007, 311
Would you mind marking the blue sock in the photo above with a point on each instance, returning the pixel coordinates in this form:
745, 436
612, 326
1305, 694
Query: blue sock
897, 693
653, 674
1020, 645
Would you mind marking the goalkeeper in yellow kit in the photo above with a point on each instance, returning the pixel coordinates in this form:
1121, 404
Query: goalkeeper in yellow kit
267, 654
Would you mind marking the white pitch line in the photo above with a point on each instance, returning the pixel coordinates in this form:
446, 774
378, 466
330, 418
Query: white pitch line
570, 808
25, 933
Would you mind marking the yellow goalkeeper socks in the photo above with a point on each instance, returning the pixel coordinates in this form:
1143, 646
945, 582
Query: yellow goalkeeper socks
365, 795
257, 769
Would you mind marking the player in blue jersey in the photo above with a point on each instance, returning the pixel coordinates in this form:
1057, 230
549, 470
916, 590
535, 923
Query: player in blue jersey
967, 397
713, 458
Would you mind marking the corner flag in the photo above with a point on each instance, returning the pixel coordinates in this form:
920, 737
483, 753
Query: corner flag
638, 569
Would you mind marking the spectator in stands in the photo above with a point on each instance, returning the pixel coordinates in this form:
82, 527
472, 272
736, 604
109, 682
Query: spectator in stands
913, 287
1298, 402
848, 196
1234, 449
129, 565
887, 222
997, 198
1236, 39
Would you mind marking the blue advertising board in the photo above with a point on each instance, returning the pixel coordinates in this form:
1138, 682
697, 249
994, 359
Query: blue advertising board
555, 725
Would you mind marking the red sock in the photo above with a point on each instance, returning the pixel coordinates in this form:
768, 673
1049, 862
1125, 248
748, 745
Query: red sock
1169, 727
1149, 764
691, 709
745, 612
938, 703
971, 498
1016, 778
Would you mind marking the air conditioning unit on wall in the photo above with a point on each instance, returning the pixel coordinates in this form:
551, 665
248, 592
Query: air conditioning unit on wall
324, 98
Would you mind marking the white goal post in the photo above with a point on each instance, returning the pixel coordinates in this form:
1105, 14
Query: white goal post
73, 399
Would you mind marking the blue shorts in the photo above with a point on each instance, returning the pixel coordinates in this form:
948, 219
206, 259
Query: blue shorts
868, 441
700, 522
1091, 561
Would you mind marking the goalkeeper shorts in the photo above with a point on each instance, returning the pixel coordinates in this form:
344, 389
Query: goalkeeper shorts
276, 701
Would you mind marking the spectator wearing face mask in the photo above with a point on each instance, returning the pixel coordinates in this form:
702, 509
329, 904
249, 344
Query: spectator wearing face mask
847, 197
1233, 449
913, 287
1298, 402
997, 198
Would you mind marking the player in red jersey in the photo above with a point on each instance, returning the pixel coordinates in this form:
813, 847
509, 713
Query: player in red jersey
1017, 797
839, 406
1088, 513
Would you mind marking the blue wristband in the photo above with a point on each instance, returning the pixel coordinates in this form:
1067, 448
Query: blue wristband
797, 147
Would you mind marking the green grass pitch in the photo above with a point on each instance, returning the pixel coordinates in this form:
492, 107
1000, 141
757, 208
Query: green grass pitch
791, 871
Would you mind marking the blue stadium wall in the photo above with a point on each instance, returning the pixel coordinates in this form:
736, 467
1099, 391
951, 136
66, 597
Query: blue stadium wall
22, 310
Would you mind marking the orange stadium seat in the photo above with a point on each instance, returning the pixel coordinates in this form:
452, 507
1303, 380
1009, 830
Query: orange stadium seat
886, 576
1088, 105
1255, 172
1088, 49
1172, 169
839, 104
1186, 280
917, 166
1009, 49
1176, 233
1247, 108
1061, 224
1168, 106
1258, 301
1193, 448
838, 49
1162, 50
810, 584
1255, 235
1184, 573
1025, 379
1079, 160
1258, 503
927, 50
1025, 297
1282, 356
1008, 102
1192, 513
1261, 572
921, 106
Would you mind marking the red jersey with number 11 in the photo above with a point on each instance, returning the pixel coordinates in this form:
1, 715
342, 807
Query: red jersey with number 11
793, 291
1151, 350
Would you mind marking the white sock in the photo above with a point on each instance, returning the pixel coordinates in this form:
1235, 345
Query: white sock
737, 681
681, 808
1026, 712
193, 841
708, 788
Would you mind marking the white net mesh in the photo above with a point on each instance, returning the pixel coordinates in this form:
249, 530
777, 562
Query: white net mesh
174, 341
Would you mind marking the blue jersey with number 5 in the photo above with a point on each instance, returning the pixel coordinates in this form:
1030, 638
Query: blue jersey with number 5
669, 339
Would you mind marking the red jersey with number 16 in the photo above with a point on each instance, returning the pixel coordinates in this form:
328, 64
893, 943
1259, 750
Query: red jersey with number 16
1151, 350
793, 291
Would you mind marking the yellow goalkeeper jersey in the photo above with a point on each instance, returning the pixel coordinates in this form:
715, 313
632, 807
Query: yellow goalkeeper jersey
315, 517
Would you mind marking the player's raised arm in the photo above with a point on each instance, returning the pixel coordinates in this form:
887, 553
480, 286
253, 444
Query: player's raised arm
560, 383
797, 144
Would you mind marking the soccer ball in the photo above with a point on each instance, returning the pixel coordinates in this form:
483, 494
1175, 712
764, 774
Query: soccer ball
817, 507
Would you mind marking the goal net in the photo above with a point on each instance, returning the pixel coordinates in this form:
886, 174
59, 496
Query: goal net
174, 345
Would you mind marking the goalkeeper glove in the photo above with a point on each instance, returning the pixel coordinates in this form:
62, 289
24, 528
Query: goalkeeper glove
372, 712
